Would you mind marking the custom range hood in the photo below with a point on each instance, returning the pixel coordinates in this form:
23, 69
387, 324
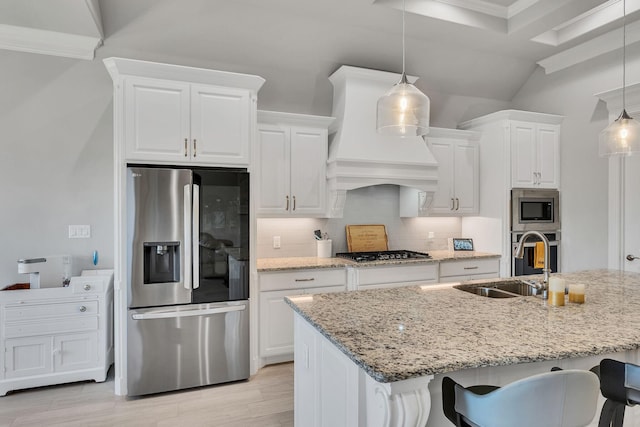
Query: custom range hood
358, 155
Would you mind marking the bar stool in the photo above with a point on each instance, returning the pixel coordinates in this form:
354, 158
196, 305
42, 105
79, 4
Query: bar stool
560, 398
620, 385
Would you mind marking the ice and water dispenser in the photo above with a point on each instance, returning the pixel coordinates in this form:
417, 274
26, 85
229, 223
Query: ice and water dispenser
161, 262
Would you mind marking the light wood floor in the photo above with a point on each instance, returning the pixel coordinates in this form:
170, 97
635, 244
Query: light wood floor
266, 400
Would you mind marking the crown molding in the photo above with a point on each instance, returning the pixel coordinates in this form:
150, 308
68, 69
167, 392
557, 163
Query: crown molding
46, 42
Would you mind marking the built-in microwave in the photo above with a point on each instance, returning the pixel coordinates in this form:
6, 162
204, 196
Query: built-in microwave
535, 209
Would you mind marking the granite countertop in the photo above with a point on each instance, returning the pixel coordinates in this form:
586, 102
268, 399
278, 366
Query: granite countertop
401, 333
297, 263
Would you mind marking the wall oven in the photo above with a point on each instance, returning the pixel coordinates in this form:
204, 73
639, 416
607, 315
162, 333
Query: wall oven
526, 265
535, 209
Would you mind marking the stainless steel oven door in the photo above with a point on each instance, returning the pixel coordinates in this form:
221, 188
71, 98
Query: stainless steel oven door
525, 266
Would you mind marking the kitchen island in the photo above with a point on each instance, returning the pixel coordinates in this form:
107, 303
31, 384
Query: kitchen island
377, 357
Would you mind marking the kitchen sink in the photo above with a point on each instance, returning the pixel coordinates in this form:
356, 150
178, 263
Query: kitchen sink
499, 289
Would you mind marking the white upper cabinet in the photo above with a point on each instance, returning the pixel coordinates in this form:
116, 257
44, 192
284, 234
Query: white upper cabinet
535, 155
457, 153
292, 162
171, 114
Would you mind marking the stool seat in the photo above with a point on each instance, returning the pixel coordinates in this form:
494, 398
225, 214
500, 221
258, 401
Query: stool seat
563, 398
620, 385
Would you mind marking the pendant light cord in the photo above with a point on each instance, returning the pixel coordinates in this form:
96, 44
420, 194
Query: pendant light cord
403, 46
624, 48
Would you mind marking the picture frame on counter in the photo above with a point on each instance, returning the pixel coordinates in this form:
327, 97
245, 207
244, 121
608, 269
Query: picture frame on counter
460, 244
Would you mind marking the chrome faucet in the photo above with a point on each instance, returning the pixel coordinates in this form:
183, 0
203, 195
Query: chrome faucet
519, 253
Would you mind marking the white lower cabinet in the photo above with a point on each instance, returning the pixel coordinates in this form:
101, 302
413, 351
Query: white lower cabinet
395, 276
276, 317
461, 270
56, 335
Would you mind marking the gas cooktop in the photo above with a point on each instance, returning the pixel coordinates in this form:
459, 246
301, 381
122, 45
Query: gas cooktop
382, 255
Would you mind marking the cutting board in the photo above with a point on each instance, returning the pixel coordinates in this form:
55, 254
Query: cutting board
366, 238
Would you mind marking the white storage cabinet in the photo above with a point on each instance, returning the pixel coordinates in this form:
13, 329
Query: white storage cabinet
276, 317
471, 269
292, 153
57, 335
182, 115
392, 276
535, 155
457, 153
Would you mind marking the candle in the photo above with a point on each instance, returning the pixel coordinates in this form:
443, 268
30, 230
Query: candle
556, 291
576, 293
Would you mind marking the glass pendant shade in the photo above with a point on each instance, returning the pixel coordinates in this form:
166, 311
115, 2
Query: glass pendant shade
403, 111
620, 138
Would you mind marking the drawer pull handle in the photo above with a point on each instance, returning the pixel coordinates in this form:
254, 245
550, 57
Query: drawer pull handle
83, 309
471, 268
305, 280
87, 287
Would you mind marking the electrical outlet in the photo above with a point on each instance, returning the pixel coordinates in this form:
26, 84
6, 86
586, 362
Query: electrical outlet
79, 231
431, 235
276, 242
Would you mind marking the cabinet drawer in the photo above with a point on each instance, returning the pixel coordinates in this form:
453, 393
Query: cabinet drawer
51, 326
469, 267
398, 274
302, 279
87, 285
33, 311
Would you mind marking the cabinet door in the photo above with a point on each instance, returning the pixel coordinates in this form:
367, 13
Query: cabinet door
273, 170
156, 124
443, 202
308, 170
75, 351
465, 178
548, 153
276, 319
523, 155
276, 323
28, 356
220, 125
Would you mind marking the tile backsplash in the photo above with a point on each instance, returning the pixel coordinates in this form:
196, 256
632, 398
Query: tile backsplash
370, 205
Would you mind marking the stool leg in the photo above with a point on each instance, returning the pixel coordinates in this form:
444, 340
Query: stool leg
618, 416
607, 414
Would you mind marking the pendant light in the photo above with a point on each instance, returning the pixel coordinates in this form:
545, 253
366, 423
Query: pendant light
404, 110
622, 137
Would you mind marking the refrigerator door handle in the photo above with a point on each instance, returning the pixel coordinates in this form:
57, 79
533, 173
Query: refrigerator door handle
187, 237
187, 313
196, 237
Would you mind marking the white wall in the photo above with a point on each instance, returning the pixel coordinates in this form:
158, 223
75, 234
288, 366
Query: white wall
583, 205
56, 159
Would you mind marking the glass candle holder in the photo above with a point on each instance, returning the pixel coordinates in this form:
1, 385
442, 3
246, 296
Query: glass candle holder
556, 291
576, 293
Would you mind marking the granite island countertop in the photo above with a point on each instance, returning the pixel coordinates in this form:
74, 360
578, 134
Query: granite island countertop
299, 263
401, 333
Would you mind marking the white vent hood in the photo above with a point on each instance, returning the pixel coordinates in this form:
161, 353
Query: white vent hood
358, 155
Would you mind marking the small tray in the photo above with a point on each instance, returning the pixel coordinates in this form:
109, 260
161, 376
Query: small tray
367, 238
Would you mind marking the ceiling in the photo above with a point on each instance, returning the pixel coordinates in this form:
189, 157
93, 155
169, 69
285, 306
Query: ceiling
482, 48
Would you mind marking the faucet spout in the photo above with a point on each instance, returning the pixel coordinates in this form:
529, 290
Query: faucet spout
519, 253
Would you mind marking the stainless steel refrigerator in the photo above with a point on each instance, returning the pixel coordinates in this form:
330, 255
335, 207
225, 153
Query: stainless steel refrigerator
188, 290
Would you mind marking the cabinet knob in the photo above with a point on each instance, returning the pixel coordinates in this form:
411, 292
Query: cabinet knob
457, 203
287, 208
194, 147
294, 203
186, 146
83, 309
86, 287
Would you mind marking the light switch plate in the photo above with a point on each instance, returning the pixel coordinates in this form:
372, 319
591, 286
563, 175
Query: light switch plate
79, 231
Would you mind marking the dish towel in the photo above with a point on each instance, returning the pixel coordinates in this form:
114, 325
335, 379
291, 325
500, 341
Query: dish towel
538, 255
